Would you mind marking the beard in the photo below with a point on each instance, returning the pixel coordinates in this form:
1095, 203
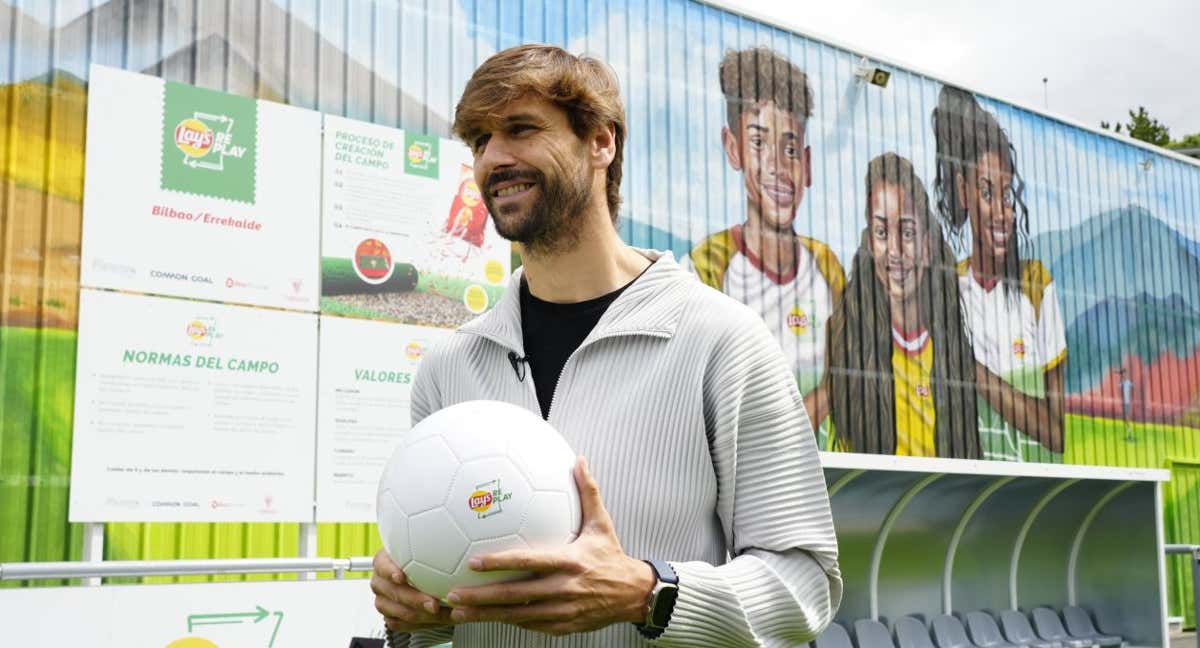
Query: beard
549, 225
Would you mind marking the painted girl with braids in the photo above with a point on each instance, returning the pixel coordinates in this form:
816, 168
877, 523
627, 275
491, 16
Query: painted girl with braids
1011, 306
900, 377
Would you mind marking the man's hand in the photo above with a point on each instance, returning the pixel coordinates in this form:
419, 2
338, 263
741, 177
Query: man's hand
583, 586
404, 609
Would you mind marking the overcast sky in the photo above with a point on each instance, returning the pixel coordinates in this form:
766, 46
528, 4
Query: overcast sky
1102, 57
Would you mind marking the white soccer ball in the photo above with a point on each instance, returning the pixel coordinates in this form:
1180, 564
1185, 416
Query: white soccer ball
475, 478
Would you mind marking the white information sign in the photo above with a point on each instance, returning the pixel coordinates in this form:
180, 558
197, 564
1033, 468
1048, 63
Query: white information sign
196, 193
197, 615
367, 373
188, 411
405, 233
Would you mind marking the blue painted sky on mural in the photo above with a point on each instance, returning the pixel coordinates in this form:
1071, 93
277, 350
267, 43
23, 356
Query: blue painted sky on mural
667, 52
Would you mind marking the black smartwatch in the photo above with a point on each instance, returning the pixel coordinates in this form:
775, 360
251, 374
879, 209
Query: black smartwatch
661, 601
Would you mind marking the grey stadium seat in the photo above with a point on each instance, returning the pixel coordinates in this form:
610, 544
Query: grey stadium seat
1079, 624
869, 633
834, 636
1050, 627
912, 633
986, 634
949, 633
1017, 630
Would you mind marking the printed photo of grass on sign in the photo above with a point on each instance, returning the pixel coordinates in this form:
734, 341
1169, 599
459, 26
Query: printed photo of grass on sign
406, 236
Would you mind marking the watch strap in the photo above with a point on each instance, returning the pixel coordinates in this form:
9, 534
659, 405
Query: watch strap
663, 571
662, 599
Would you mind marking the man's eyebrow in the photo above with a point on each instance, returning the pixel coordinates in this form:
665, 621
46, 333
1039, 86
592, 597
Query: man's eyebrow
520, 117
756, 127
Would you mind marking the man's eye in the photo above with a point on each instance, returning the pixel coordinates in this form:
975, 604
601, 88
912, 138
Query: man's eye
481, 142
756, 142
792, 152
520, 128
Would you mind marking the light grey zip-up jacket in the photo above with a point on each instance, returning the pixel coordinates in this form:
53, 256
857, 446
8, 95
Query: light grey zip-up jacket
691, 422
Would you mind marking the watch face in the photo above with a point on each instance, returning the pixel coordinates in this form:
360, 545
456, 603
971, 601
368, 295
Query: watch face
664, 604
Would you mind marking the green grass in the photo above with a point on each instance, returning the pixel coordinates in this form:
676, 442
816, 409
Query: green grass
1103, 441
330, 306
37, 370
453, 287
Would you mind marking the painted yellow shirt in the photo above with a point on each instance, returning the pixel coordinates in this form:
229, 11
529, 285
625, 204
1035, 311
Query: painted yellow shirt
915, 415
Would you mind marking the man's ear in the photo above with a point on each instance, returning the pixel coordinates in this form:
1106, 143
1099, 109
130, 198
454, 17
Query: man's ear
733, 148
603, 146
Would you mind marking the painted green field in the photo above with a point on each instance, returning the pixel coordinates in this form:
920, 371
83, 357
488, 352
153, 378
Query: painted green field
1101, 441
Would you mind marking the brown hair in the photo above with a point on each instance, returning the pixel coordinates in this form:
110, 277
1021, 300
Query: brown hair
758, 74
859, 347
582, 86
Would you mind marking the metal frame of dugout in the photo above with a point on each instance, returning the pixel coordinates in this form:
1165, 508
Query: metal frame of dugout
923, 537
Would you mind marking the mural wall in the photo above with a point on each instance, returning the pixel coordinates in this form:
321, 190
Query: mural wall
987, 281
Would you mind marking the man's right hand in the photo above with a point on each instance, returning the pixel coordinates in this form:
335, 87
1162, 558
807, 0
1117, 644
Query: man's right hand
404, 609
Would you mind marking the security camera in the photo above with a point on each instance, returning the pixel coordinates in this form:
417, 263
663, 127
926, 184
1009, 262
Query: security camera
872, 74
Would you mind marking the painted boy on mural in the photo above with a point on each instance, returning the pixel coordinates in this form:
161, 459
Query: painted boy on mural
1010, 304
792, 281
898, 351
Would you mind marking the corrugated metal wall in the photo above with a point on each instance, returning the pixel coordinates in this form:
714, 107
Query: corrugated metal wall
1118, 225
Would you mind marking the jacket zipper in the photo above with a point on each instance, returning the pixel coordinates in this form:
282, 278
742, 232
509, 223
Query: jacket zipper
558, 383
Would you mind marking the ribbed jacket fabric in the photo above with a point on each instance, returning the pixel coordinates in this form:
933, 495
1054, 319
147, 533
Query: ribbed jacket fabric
693, 427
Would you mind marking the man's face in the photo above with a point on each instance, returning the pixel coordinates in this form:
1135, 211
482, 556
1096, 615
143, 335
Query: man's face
534, 175
898, 242
769, 150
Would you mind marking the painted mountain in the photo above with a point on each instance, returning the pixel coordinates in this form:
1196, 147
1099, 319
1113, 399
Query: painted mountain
1157, 342
1129, 288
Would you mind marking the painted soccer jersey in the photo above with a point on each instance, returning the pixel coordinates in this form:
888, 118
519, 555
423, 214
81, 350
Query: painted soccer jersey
795, 307
916, 417
1019, 339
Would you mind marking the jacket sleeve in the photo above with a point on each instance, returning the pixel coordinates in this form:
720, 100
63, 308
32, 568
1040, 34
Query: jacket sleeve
783, 585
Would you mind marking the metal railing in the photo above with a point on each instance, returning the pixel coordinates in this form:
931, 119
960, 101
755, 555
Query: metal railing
110, 568
1194, 552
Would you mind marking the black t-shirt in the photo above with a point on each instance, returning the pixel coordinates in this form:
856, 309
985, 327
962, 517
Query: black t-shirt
551, 332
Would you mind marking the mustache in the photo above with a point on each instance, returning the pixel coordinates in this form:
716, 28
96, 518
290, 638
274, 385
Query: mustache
506, 175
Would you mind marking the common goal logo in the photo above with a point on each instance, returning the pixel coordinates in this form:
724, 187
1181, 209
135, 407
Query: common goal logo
209, 142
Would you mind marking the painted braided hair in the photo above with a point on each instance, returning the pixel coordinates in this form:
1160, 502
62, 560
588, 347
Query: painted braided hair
859, 350
964, 131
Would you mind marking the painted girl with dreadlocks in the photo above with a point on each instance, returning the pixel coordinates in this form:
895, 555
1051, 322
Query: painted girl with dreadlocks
1010, 304
900, 376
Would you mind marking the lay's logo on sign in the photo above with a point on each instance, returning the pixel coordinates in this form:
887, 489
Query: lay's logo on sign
197, 330
202, 331
193, 137
413, 351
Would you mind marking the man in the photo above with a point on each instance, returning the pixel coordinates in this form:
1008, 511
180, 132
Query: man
676, 394
791, 281
1126, 402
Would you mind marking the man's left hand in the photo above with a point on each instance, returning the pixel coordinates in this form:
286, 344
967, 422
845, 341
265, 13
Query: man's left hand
588, 584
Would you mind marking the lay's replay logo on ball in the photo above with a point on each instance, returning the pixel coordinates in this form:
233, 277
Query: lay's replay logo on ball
487, 498
209, 142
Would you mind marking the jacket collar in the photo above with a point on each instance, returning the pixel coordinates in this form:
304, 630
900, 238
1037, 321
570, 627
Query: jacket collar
651, 306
